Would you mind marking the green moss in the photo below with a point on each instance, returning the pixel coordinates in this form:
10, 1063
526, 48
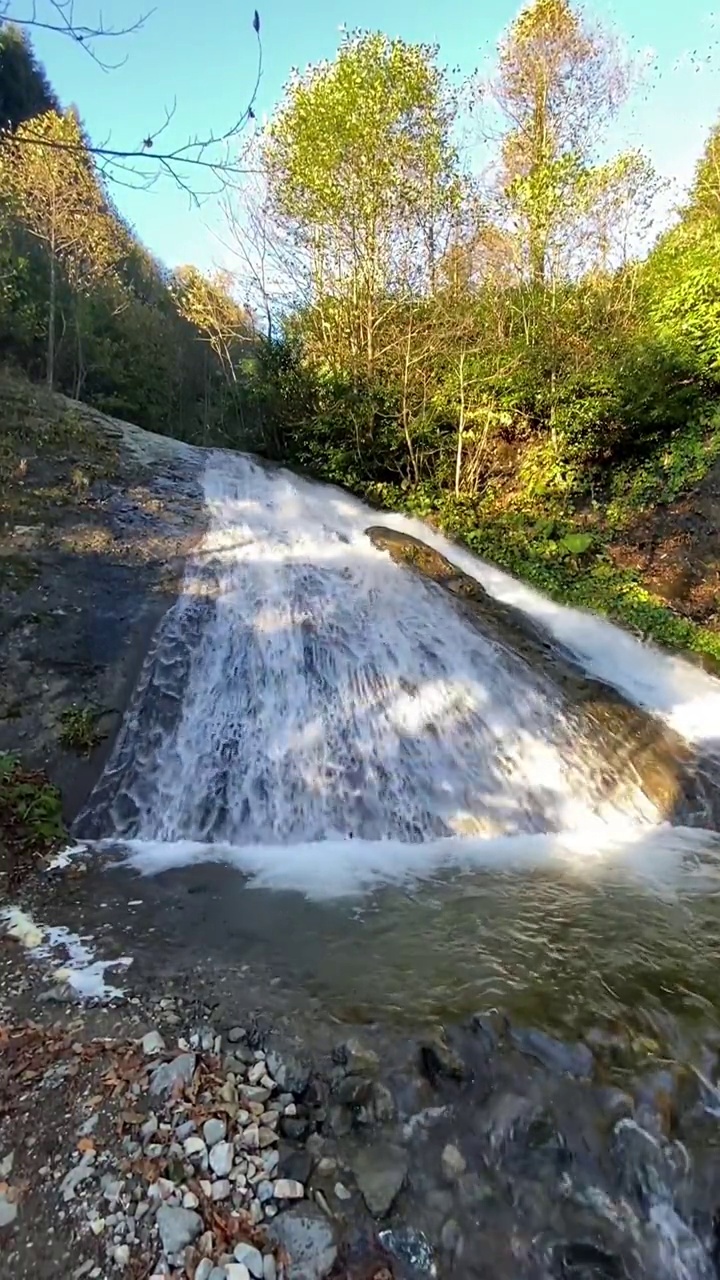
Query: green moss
31, 820
78, 728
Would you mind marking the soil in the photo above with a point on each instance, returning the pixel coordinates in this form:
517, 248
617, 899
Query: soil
676, 551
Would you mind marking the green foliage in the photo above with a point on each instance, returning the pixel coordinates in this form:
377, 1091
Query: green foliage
31, 819
78, 728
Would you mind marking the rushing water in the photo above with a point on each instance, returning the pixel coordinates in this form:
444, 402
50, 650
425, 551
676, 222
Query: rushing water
326, 722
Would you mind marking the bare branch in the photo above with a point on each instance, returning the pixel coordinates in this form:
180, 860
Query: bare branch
61, 20
141, 166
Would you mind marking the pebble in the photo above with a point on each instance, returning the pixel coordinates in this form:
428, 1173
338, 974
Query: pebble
251, 1258
183, 1130
221, 1158
342, 1192
190, 1200
171, 1074
214, 1131
251, 1136
236, 1271
152, 1044
178, 1228
288, 1189
269, 1268
194, 1146
203, 1269
122, 1255
256, 1072
218, 1273
150, 1128
221, 1189
253, 1093
235, 1034
266, 1137
264, 1191
75, 1176
8, 1211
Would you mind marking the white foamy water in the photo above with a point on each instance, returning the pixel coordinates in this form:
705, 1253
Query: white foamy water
305, 689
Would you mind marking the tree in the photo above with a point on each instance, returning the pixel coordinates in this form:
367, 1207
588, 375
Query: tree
24, 88
560, 81
359, 159
55, 194
704, 199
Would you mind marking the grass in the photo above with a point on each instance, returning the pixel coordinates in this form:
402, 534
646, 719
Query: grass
31, 822
564, 552
78, 728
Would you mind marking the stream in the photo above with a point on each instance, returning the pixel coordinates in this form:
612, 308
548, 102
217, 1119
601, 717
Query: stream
412, 819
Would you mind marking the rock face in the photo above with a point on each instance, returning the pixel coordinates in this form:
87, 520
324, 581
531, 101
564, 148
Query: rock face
631, 742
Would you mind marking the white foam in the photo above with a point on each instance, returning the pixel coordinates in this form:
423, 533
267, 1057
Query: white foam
81, 970
662, 858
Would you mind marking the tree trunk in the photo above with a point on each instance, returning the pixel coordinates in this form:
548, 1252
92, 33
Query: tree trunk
50, 370
461, 424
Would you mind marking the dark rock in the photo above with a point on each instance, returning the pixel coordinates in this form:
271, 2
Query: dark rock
439, 1060
412, 1248
294, 1127
308, 1238
295, 1164
567, 1059
581, 1261
171, 1074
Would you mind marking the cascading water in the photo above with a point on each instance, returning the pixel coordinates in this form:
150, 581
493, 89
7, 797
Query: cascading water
306, 688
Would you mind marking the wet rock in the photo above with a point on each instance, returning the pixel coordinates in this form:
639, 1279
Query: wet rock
582, 1261
296, 1164
439, 1060
178, 1228
453, 1162
567, 1059
630, 740
380, 1172
451, 1237
294, 1127
289, 1072
412, 1248
172, 1075
308, 1238
358, 1059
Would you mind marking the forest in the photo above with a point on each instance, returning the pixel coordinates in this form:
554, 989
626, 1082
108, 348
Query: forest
446, 297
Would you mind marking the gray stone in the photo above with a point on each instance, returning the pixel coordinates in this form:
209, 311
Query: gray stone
74, 1177
294, 1127
264, 1191
309, 1241
203, 1269
269, 1267
380, 1171
171, 1075
8, 1212
221, 1189
235, 1034
178, 1228
288, 1071
221, 1158
251, 1257
451, 1237
288, 1189
152, 1044
220, 1273
214, 1131
254, 1093
453, 1162
150, 1128
235, 1271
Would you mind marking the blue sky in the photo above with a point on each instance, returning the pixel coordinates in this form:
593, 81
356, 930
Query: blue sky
203, 56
